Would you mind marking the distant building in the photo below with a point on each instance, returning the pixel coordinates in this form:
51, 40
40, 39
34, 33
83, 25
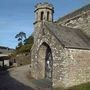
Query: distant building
61, 50
4, 56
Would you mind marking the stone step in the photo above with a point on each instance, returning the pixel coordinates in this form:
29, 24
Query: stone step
42, 84
40, 88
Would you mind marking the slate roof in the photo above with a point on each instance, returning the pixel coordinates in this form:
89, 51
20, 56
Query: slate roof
69, 37
75, 13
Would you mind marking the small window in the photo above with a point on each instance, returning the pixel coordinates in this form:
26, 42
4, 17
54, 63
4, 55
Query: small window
47, 16
42, 15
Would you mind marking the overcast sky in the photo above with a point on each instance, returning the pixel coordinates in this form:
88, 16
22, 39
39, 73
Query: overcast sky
18, 15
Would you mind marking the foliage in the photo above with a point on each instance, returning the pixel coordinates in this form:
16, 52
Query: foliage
24, 49
12, 55
29, 40
20, 36
20, 44
26, 46
85, 86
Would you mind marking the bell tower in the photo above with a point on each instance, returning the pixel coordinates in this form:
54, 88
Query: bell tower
43, 12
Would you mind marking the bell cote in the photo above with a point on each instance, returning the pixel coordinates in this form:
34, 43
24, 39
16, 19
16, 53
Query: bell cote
44, 12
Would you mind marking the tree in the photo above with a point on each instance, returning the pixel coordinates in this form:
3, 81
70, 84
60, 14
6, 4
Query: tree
25, 45
29, 40
20, 36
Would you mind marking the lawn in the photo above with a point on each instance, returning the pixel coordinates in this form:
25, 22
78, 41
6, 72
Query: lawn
85, 86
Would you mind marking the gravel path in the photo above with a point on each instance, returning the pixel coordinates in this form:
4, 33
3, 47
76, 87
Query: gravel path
15, 79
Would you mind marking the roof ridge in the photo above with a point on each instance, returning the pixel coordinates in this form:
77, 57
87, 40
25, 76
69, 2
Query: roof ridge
74, 13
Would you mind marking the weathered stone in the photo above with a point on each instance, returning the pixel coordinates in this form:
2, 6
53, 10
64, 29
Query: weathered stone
52, 59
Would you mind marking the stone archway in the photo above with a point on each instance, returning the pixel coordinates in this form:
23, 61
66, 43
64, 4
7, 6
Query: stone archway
45, 61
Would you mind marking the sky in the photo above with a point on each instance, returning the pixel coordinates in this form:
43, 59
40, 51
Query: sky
18, 15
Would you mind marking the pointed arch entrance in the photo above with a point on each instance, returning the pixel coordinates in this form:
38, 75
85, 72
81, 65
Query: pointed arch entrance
45, 60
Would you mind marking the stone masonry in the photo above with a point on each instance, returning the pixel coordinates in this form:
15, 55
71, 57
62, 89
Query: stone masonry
63, 61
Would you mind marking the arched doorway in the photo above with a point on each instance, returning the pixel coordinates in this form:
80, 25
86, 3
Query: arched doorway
45, 61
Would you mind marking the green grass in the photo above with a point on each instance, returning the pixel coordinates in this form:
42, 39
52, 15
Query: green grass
85, 86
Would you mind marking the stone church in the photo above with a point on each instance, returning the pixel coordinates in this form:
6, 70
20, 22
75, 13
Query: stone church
61, 50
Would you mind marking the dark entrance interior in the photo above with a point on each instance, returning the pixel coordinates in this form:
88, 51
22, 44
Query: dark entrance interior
48, 63
45, 61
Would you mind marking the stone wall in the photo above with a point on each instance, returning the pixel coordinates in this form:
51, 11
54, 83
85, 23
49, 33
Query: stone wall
77, 67
57, 53
22, 59
70, 66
